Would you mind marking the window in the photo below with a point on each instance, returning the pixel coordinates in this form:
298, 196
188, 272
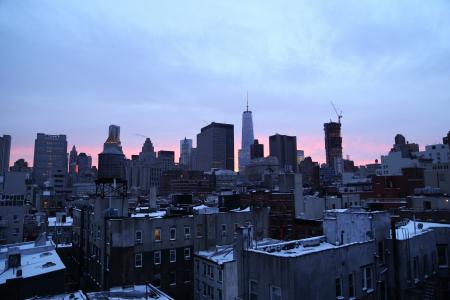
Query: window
197, 266
157, 280
107, 262
138, 237
204, 269
253, 286
173, 233
224, 229
220, 275
416, 268
199, 230
442, 255
338, 285
204, 289
157, 234
173, 255
211, 292
381, 251
197, 284
187, 275
236, 227
187, 253
367, 278
172, 278
157, 257
275, 293
219, 294
138, 260
187, 232
351, 285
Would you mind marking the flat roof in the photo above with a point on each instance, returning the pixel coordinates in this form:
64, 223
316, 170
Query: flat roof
411, 229
34, 260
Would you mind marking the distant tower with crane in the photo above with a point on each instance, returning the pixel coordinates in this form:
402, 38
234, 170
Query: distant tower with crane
333, 143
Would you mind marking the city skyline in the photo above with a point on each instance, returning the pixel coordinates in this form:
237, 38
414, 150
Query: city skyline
381, 63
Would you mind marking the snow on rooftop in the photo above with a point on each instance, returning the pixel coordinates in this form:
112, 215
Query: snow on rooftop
78, 295
219, 255
156, 214
241, 210
52, 222
34, 260
411, 229
135, 292
296, 248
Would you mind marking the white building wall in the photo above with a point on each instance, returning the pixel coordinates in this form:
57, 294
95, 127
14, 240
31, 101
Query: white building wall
439, 153
393, 163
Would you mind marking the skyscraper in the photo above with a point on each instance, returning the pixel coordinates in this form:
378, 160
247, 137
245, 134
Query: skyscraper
247, 139
215, 147
73, 157
284, 148
333, 146
185, 153
111, 161
256, 150
50, 157
5, 149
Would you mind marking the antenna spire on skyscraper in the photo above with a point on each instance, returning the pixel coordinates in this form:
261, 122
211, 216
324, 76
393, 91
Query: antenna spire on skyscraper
247, 101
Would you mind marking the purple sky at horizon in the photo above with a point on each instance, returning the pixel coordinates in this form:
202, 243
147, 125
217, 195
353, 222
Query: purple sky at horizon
165, 70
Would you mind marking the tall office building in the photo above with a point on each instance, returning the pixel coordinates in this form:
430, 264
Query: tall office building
256, 150
166, 160
5, 149
50, 157
333, 146
185, 153
111, 162
84, 163
247, 139
284, 148
73, 157
215, 147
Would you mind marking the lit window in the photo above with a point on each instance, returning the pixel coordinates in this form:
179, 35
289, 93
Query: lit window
138, 260
157, 234
173, 255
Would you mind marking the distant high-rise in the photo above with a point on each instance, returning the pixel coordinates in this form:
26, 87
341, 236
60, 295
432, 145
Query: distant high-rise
284, 148
73, 157
215, 147
256, 150
111, 161
20, 166
50, 157
300, 156
84, 163
185, 153
446, 139
166, 160
5, 150
247, 139
333, 146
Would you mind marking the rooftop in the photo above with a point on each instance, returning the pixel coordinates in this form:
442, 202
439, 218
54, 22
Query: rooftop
411, 229
35, 259
135, 292
53, 222
157, 214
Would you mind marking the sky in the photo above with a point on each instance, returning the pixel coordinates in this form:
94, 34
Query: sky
164, 69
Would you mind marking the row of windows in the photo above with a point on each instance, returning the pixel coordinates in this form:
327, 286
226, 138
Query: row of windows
208, 292
138, 260
274, 291
209, 271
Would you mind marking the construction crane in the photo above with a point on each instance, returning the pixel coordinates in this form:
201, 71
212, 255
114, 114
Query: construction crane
339, 115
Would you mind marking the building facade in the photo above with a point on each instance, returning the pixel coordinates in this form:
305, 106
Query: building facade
50, 156
284, 148
5, 149
215, 147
